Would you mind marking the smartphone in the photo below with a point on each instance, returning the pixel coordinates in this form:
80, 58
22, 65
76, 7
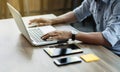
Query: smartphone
67, 60
61, 51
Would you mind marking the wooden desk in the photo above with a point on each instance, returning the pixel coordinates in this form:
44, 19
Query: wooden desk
17, 55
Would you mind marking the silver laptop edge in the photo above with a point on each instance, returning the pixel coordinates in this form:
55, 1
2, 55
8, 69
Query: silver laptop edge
23, 29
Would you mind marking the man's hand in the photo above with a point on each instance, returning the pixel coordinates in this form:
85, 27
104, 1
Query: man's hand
57, 35
41, 21
62, 19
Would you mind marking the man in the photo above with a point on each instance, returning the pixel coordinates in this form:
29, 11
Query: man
106, 14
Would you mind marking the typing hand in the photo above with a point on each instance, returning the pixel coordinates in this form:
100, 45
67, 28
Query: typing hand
57, 35
33, 25
40, 22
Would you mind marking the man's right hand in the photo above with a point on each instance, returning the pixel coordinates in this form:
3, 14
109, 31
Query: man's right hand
41, 21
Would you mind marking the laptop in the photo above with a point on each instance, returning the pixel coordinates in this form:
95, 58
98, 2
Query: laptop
33, 35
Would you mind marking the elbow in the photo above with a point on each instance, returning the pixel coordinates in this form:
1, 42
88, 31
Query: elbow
106, 43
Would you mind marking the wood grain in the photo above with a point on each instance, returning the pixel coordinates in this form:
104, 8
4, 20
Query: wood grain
17, 55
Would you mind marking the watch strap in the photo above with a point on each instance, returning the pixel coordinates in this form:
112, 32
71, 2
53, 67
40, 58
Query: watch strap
73, 36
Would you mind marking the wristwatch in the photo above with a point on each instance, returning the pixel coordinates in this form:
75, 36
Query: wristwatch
73, 36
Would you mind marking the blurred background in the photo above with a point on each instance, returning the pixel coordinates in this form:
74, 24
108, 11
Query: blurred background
37, 7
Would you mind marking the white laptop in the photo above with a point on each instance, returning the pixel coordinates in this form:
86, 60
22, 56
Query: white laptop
33, 35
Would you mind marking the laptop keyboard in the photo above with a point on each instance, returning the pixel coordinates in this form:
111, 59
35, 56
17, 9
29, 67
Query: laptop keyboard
36, 34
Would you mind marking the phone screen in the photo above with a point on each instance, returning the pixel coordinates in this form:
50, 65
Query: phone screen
67, 60
61, 51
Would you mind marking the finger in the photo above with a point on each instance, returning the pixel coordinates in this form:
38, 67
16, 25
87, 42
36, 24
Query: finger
43, 24
50, 39
31, 21
34, 21
55, 38
48, 35
45, 37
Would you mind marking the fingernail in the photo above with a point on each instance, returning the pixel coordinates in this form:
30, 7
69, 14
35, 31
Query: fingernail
43, 39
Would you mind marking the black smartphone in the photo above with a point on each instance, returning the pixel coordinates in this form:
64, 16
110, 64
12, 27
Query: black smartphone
61, 51
67, 60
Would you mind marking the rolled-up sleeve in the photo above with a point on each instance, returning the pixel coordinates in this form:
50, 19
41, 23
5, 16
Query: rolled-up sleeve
82, 11
112, 32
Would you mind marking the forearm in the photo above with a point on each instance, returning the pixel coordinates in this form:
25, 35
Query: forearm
93, 38
65, 18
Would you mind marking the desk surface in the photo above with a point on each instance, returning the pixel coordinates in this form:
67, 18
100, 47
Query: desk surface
17, 55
